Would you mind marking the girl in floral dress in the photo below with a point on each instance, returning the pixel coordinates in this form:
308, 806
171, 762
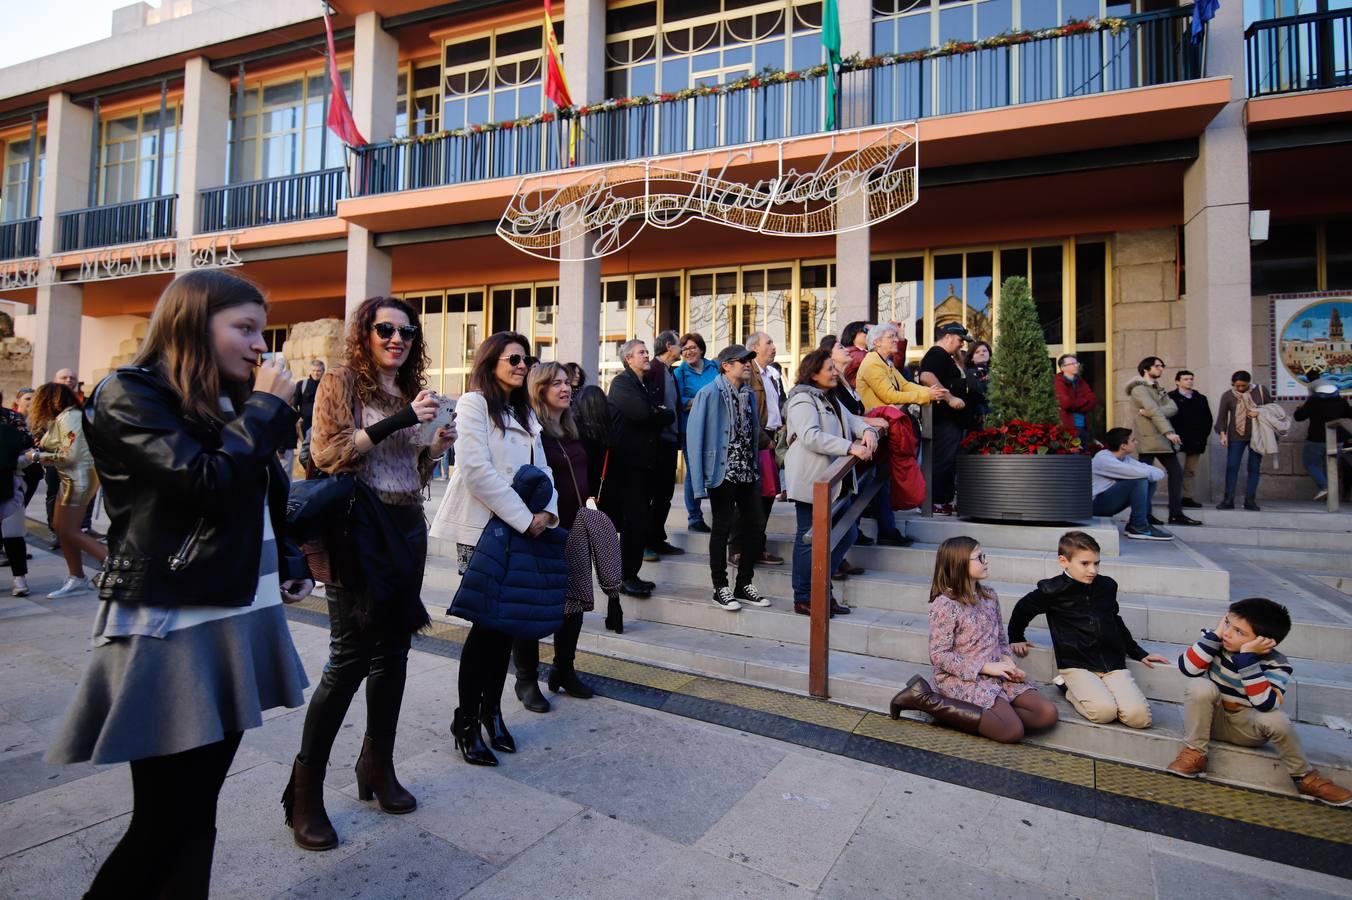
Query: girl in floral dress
978, 688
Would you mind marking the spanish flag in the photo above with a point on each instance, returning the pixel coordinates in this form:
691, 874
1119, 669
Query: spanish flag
556, 85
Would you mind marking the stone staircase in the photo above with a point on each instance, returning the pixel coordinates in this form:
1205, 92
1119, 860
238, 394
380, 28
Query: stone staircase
1168, 592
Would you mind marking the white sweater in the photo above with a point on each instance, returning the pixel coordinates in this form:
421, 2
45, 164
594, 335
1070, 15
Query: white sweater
1108, 469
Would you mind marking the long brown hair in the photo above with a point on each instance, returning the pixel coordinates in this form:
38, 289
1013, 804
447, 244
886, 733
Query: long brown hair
483, 378
50, 401
412, 375
952, 572
538, 382
178, 341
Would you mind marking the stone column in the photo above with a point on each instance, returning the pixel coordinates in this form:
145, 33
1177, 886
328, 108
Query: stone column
853, 299
203, 144
578, 328
375, 78
70, 131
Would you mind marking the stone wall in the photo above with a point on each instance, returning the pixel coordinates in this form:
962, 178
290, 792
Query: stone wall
16, 366
307, 341
127, 349
1148, 316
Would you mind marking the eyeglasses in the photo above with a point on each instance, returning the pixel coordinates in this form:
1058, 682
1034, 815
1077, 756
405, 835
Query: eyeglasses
517, 359
980, 557
386, 330
1070, 362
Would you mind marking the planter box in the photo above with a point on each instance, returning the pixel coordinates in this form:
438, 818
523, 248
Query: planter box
1045, 488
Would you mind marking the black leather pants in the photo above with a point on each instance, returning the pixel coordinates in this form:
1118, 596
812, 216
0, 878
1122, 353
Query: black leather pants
354, 654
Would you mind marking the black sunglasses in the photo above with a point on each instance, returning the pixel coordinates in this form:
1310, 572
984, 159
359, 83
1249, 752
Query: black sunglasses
516, 359
386, 330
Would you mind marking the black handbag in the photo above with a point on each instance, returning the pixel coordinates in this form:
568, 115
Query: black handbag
315, 504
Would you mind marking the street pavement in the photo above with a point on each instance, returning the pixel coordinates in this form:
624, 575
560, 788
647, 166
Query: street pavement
604, 799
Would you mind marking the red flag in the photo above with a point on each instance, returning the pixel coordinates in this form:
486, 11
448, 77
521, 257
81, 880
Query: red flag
556, 86
340, 114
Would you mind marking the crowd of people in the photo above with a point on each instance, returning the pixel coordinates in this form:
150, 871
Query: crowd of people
191, 646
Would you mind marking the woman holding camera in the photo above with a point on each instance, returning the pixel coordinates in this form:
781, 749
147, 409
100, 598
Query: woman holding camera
190, 642
366, 422
498, 434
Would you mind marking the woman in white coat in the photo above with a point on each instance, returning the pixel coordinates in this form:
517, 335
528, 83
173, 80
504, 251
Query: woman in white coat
497, 434
820, 431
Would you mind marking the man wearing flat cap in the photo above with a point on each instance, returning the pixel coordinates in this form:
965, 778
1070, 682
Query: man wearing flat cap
940, 367
722, 443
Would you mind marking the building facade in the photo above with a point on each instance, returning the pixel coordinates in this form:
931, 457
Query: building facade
1091, 146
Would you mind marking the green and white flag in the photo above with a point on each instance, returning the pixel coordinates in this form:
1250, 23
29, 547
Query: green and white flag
831, 41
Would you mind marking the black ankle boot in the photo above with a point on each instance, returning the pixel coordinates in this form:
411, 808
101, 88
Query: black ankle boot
498, 735
528, 692
566, 680
469, 739
615, 616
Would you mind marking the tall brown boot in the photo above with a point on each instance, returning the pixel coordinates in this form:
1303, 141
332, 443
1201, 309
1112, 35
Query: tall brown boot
303, 801
375, 777
957, 714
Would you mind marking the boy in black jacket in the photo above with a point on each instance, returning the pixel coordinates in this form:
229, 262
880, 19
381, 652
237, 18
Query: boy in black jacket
1089, 637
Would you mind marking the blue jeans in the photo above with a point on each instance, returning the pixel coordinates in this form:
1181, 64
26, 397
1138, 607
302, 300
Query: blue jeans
1234, 455
1134, 492
1313, 456
802, 553
694, 513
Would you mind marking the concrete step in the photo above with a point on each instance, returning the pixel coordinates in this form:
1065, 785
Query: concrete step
1169, 569
870, 682
1271, 537
1274, 514
1329, 561
1323, 689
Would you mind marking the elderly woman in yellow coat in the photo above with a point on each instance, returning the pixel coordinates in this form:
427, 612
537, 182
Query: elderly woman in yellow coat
879, 383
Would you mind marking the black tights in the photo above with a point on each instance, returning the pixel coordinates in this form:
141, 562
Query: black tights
17, 551
526, 654
483, 669
167, 849
1007, 723
354, 654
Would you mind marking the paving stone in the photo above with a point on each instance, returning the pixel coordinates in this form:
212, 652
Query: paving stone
816, 806
406, 864
1178, 876
603, 858
26, 773
64, 867
33, 819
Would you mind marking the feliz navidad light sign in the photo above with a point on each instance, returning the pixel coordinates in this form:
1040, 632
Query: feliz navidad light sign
590, 213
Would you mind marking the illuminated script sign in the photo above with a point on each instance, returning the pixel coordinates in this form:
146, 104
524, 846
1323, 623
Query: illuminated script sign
612, 205
153, 258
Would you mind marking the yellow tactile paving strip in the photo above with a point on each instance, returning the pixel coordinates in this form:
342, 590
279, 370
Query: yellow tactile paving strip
1285, 814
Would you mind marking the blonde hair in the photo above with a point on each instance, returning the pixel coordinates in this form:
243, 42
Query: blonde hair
537, 386
952, 572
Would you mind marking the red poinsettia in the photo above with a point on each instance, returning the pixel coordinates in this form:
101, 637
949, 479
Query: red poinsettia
1019, 437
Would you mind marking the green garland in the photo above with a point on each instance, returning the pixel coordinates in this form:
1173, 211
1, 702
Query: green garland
855, 63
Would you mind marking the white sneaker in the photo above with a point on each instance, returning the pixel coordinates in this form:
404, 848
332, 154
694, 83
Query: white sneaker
72, 587
20, 588
1321, 494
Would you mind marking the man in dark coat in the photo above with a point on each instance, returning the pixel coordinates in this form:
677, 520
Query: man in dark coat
661, 385
636, 424
304, 401
1193, 425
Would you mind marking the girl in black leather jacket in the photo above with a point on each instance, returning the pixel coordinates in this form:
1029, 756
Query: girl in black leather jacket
191, 644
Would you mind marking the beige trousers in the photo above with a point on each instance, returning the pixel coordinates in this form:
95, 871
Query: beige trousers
1190, 461
1105, 697
1205, 718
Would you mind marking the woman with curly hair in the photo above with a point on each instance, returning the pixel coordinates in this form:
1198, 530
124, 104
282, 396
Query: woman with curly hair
56, 416
366, 419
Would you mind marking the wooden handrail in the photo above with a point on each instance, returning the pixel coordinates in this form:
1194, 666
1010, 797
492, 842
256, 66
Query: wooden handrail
1331, 452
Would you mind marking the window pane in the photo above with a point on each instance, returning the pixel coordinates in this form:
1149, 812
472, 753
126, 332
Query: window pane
1285, 263
1090, 294
1338, 250
1047, 291
978, 298
284, 93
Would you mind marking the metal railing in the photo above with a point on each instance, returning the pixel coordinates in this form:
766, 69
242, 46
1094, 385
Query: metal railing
1154, 48
287, 198
1333, 454
118, 223
1299, 53
19, 238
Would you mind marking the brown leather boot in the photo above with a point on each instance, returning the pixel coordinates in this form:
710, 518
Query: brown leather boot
303, 801
919, 696
375, 777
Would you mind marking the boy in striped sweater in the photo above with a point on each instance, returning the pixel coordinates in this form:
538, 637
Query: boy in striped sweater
1238, 682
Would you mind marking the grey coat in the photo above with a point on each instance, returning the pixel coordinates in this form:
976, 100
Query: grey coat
817, 438
1160, 407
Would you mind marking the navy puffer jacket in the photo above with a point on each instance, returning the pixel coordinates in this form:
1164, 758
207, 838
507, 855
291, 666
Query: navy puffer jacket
515, 583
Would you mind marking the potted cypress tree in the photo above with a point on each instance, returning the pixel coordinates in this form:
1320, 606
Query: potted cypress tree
1026, 466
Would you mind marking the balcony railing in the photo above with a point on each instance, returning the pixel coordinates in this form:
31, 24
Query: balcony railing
288, 198
19, 238
118, 223
1299, 53
1150, 49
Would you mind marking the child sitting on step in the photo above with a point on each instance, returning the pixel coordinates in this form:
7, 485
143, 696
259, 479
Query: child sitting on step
1238, 683
1090, 639
978, 688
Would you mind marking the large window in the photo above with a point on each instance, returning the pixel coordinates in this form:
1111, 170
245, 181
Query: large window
281, 129
493, 77
419, 111
130, 155
22, 194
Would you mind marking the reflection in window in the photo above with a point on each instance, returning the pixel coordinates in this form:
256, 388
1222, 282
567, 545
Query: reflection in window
130, 152
19, 202
282, 128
